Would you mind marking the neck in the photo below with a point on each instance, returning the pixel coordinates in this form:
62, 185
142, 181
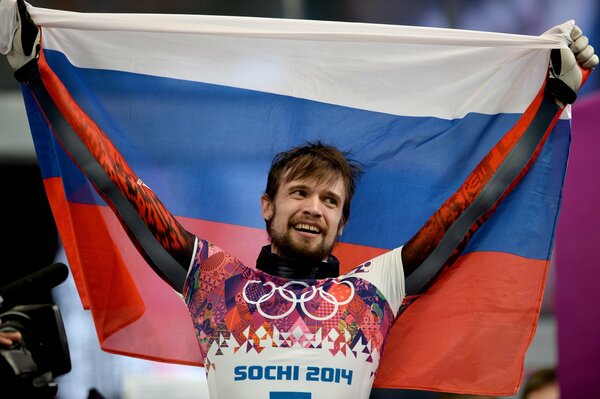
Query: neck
276, 265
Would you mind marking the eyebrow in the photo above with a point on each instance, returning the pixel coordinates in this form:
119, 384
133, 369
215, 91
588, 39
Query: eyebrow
298, 187
308, 188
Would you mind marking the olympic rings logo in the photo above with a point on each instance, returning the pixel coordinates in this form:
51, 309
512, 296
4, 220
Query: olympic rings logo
291, 297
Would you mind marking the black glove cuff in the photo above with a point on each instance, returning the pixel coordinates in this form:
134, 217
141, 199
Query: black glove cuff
27, 71
559, 90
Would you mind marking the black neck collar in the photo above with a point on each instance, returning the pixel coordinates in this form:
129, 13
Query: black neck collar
274, 264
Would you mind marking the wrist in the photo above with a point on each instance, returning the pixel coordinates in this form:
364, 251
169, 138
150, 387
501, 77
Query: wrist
560, 92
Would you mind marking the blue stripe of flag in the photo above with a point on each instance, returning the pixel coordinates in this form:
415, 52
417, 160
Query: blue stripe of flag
206, 149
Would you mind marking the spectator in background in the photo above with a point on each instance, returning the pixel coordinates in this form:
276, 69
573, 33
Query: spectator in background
542, 385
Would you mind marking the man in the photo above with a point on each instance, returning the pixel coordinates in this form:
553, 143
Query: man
294, 312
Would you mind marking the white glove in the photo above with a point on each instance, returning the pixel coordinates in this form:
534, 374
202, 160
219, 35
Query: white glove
571, 66
19, 36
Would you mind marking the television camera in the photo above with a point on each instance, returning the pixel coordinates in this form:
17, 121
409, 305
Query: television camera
28, 367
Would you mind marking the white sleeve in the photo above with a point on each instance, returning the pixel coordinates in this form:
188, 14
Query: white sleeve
385, 272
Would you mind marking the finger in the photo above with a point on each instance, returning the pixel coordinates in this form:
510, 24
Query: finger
585, 55
579, 45
15, 336
5, 341
576, 32
591, 63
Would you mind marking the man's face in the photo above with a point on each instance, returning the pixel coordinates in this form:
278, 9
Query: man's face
305, 218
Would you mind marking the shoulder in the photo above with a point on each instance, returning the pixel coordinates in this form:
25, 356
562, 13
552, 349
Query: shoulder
386, 273
389, 261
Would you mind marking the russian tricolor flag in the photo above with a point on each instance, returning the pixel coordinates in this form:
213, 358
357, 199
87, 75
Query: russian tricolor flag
199, 105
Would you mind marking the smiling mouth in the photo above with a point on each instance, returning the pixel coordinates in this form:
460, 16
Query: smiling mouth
307, 228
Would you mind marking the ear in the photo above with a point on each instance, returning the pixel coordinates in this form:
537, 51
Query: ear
266, 204
341, 228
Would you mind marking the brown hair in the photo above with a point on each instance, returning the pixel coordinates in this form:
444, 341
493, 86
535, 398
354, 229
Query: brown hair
315, 161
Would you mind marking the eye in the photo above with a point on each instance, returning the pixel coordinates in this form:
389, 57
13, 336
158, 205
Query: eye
331, 201
298, 194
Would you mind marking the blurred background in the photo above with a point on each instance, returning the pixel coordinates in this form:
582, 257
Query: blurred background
29, 218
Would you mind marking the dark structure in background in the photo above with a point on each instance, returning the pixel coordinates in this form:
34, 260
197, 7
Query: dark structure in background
29, 238
29, 246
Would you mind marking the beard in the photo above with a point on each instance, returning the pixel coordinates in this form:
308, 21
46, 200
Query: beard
287, 248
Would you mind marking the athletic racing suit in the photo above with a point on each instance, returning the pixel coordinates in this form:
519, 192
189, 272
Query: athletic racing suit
271, 337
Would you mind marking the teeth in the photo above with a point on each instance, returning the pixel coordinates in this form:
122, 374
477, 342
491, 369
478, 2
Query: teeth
307, 227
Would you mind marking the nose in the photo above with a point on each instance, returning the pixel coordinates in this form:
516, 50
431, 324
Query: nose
312, 206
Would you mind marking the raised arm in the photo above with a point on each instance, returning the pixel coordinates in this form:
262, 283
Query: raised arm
443, 237
159, 237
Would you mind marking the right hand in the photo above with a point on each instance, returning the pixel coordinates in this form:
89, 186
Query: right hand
570, 67
19, 35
